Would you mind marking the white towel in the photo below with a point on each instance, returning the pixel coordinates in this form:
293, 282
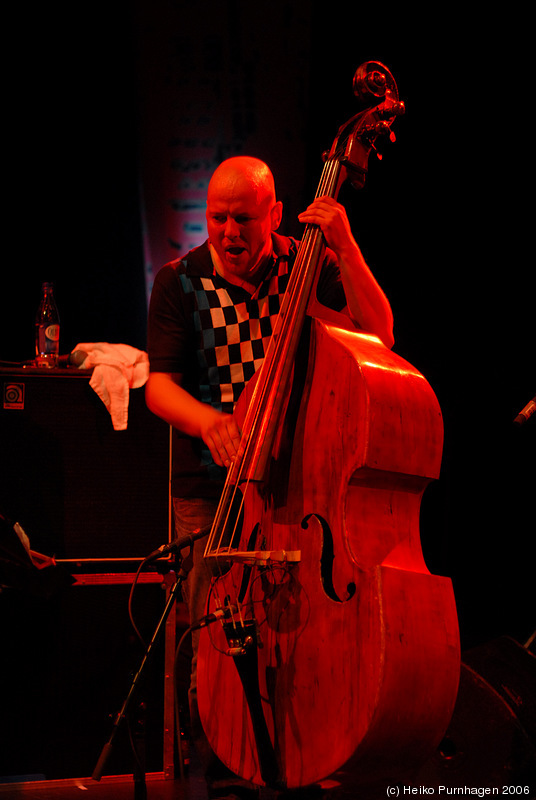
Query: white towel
117, 368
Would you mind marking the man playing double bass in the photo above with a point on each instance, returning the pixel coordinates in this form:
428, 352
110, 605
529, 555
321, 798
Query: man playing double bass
211, 315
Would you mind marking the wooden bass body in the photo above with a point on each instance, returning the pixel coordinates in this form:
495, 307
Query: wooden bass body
356, 650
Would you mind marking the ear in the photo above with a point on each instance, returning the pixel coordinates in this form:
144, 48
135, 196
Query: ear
276, 215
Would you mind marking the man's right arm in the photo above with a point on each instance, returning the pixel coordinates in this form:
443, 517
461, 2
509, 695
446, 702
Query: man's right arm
166, 398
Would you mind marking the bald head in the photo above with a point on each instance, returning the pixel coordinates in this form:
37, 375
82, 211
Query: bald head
242, 212
243, 172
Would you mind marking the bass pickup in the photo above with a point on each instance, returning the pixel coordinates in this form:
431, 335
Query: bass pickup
258, 558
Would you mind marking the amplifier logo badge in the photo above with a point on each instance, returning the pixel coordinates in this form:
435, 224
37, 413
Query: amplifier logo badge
13, 396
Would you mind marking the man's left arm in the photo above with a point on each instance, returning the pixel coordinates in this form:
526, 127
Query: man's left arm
367, 304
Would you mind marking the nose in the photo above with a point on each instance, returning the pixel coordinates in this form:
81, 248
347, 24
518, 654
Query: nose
231, 228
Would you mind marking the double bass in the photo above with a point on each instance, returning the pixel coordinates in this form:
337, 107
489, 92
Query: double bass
337, 646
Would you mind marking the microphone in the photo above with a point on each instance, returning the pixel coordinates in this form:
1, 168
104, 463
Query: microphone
178, 543
74, 359
220, 613
526, 412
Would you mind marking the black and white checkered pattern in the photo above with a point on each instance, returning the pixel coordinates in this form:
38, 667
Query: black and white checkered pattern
232, 333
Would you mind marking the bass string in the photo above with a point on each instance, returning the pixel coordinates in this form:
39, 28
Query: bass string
279, 344
275, 356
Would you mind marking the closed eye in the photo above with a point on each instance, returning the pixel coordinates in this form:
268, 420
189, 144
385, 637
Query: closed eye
241, 219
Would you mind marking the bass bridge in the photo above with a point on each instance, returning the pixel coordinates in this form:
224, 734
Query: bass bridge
256, 558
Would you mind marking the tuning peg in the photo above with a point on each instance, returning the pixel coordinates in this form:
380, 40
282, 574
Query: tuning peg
379, 156
382, 127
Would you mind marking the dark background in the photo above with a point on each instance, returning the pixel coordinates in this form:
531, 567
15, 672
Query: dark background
444, 221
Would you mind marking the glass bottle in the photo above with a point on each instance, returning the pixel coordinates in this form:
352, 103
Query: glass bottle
47, 329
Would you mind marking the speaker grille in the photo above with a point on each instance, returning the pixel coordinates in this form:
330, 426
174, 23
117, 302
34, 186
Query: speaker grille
80, 489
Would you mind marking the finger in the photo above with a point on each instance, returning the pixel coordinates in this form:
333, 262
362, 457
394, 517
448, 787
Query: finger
225, 441
230, 441
215, 449
324, 205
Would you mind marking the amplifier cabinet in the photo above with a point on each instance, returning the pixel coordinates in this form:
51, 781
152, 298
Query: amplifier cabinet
80, 489
97, 500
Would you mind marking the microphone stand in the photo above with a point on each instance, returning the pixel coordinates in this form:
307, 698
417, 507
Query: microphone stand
183, 568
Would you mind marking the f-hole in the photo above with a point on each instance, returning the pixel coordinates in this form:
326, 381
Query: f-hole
326, 561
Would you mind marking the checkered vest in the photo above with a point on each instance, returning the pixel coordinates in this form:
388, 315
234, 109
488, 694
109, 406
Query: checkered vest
232, 330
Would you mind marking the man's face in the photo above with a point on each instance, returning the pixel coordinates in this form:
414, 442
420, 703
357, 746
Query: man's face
240, 219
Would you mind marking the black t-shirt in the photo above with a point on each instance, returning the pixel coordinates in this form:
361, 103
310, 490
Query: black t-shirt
215, 334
